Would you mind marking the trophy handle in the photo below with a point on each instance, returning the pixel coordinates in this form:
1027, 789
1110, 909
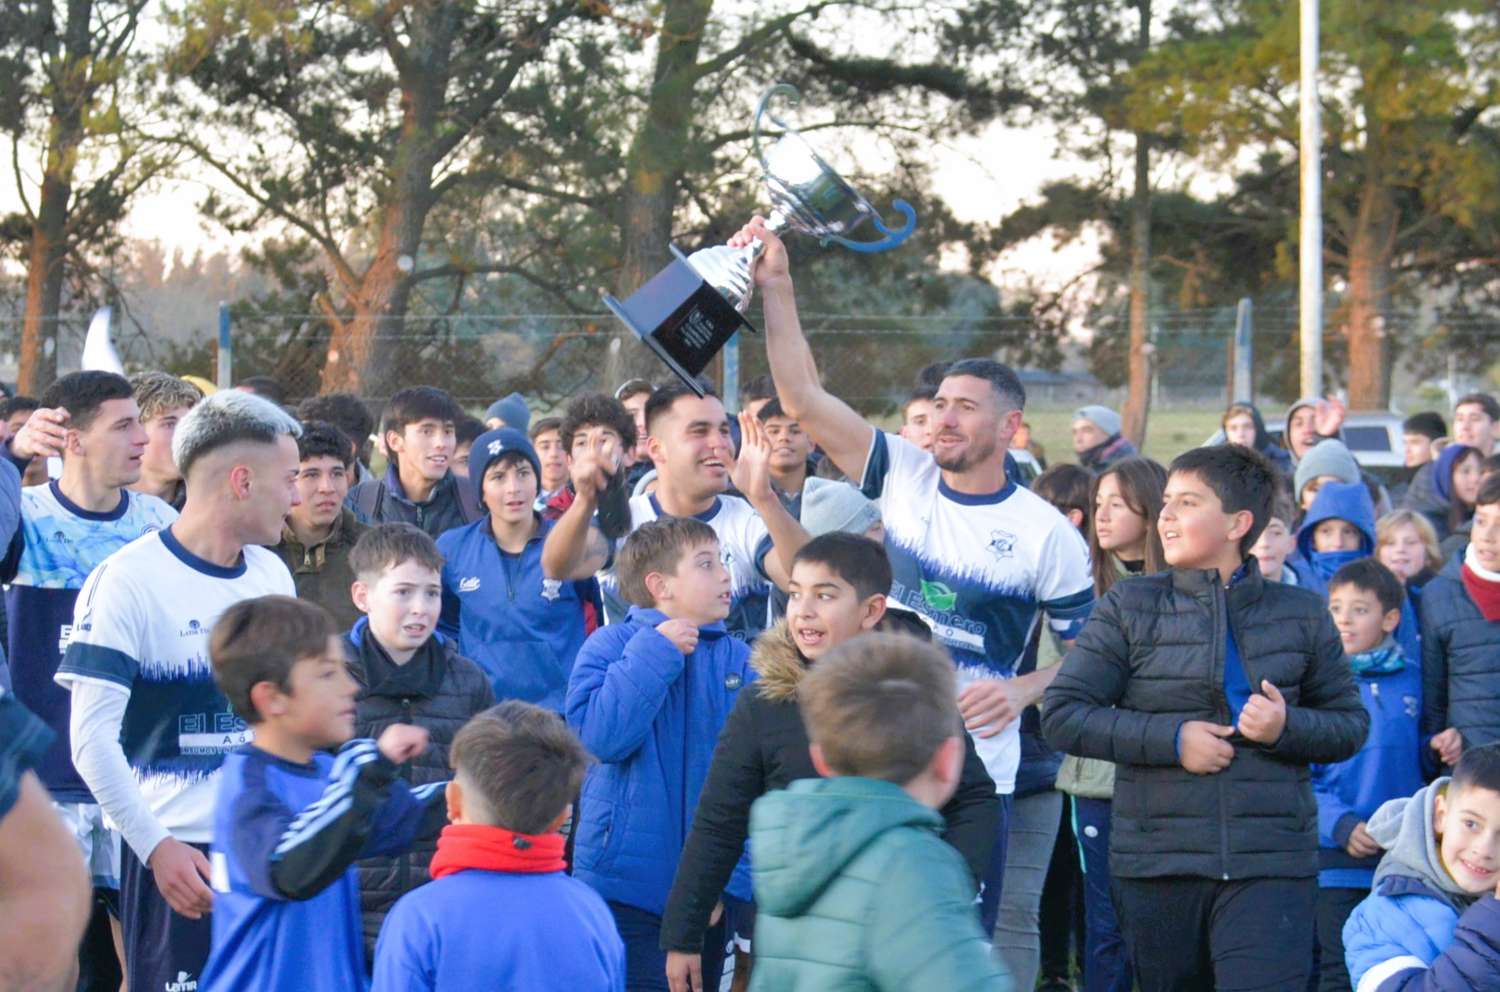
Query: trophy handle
762, 110
891, 239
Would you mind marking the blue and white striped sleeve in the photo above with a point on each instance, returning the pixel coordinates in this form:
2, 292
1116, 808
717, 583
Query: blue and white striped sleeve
1065, 587
295, 855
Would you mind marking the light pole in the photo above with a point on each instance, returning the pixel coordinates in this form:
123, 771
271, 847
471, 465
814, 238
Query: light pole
1310, 247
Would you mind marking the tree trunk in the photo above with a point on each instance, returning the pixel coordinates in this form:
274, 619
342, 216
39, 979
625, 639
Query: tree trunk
49, 247
654, 171
1138, 400
363, 348
1370, 252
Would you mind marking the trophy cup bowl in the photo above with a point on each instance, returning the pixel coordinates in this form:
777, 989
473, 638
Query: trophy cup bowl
687, 311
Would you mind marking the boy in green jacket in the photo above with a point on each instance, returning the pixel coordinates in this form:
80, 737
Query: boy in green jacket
854, 885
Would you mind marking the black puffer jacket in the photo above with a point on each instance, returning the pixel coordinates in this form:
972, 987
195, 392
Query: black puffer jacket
763, 747
1152, 658
1460, 662
438, 690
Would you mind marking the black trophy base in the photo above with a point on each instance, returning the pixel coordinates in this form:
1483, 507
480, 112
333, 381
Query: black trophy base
681, 318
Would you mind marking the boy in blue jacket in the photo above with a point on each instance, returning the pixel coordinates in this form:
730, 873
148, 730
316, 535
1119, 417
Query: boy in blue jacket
1365, 599
501, 911
1433, 922
523, 628
648, 698
291, 820
1339, 528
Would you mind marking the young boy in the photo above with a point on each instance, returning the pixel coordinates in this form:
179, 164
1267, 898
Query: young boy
1461, 639
290, 819
837, 592
1339, 528
407, 673
854, 887
1430, 924
419, 485
648, 697
1365, 600
1278, 542
516, 770
164, 400
1212, 690
320, 530
552, 456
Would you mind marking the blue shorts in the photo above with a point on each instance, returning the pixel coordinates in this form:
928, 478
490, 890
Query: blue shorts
164, 951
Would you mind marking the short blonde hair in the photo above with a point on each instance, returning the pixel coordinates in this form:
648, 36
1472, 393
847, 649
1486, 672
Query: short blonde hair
1386, 526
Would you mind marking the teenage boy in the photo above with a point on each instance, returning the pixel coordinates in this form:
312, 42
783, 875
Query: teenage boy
349, 414
916, 416
648, 698
406, 673
522, 628
1461, 639
694, 456
320, 530
68, 527
855, 888
979, 556
465, 433
1364, 598
1278, 542
1475, 421
14, 412
149, 729
552, 456
1211, 690
837, 592
791, 453
502, 911
632, 395
1097, 440
419, 486
290, 818
163, 400
1431, 923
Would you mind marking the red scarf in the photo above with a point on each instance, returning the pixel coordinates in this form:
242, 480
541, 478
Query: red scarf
1486, 594
472, 845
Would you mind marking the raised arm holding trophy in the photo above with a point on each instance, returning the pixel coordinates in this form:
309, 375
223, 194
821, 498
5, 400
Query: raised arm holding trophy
688, 310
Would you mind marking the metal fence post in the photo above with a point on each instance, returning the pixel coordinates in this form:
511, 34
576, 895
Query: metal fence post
1242, 390
226, 349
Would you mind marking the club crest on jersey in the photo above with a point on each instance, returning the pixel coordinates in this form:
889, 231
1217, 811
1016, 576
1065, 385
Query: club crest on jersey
551, 589
1002, 544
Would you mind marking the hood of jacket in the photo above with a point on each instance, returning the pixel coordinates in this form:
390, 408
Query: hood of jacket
1342, 501
802, 837
1422, 492
779, 664
1404, 828
1442, 472
1286, 440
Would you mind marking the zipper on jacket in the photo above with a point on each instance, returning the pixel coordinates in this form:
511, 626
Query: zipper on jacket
1221, 663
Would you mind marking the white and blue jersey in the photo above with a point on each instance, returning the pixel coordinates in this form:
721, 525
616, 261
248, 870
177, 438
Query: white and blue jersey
979, 569
286, 897
56, 547
141, 625
744, 541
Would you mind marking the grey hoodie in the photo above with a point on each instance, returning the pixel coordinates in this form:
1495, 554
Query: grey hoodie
1404, 828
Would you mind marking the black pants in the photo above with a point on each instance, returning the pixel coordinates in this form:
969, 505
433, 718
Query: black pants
164, 951
1188, 934
1334, 907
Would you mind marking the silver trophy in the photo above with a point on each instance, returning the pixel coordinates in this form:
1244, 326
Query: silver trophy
686, 312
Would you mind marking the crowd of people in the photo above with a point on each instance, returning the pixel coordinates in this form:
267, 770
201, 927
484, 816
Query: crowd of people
647, 696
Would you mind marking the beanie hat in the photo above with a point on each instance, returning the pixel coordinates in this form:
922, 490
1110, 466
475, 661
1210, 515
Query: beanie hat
829, 506
511, 411
1442, 472
490, 446
1101, 417
1327, 457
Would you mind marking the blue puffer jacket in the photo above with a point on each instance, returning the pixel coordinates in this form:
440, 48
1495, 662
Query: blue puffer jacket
1460, 662
1407, 938
1335, 501
651, 717
523, 628
1388, 766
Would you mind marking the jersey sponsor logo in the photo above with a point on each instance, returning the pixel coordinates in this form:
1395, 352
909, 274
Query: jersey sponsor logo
950, 628
470, 584
1002, 544
551, 589
193, 629
210, 733
185, 983
64, 635
938, 595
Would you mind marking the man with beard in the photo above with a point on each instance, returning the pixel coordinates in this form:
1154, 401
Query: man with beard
975, 554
